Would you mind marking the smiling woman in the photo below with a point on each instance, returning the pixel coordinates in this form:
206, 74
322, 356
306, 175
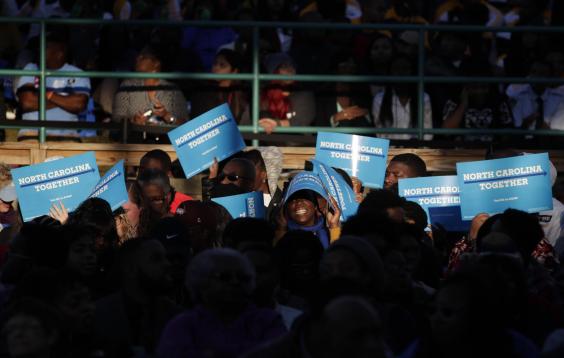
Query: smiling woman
305, 210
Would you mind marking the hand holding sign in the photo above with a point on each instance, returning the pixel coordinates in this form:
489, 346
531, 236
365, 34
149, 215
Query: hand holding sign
333, 218
59, 213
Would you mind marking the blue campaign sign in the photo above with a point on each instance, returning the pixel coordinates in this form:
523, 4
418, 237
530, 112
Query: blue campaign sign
306, 181
338, 188
67, 180
214, 134
244, 205
361, 157
112, 187
491, 186
431, 192
450, 218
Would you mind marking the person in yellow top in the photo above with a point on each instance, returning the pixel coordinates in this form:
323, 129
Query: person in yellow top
405, 11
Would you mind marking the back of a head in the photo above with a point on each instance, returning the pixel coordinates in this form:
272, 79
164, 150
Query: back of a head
36, 245
255, 156
379, 200
94, 211
247, 167
156, 155
523, 228
377, 229
206, 263
413, 161
414, 214
243, 230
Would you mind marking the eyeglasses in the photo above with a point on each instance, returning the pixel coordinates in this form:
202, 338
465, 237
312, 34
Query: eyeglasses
231, 177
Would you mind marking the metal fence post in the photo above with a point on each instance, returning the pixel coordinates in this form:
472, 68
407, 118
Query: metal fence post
420, 83
42, 84
256, 83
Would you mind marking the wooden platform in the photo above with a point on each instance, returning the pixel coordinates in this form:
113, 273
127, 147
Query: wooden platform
107, 154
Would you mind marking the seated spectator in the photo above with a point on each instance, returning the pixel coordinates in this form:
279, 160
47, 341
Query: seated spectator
469, 319
383, 202
396, 107
480, 106
378, 56
202, 224
66, 97
355, 260
237, 177
283, 103
132, 319
224, 322
34, 329
323, 334
223, 91
335, 10
452, 11
405, 165
302, 212
298, 253
343, 104
539, 105
155, 186
10, 221
262, 257
159, 160
406, 11
71, 299
149, 101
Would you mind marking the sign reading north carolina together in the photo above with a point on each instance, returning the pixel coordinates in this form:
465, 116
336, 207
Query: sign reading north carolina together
112, 187
214, 134
306, 181
338, 188
68, 180
491, 186
249, 205
430, 192
361, 157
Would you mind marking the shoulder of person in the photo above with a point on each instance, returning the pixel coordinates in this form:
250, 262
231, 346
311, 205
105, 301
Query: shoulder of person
31, 66
69, 67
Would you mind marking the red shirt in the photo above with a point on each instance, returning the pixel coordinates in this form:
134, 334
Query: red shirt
179, 198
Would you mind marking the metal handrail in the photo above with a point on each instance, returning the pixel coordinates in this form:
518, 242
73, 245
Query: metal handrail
256, 77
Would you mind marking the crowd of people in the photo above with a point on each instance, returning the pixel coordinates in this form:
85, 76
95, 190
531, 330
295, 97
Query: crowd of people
283, 103
166, 275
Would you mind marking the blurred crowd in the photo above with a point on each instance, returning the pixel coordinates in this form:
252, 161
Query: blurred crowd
318, 50
169, 276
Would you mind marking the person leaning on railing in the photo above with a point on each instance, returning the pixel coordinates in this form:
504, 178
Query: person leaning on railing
66, 97
283, 104
149, 101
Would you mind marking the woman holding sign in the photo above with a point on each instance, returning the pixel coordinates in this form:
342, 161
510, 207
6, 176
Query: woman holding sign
305, 210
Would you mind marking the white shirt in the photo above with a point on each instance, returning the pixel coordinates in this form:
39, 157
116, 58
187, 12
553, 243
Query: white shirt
524, 103
402, 116
62, 86
552, 222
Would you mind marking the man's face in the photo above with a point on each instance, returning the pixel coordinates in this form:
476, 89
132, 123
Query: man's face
26, 336
396, 171
54, 55
233, 174
157, 197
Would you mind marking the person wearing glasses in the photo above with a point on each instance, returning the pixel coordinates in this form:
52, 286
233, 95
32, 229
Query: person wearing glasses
155, 186
236, 177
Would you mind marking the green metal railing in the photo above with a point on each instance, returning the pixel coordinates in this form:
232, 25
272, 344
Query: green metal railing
256, 77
